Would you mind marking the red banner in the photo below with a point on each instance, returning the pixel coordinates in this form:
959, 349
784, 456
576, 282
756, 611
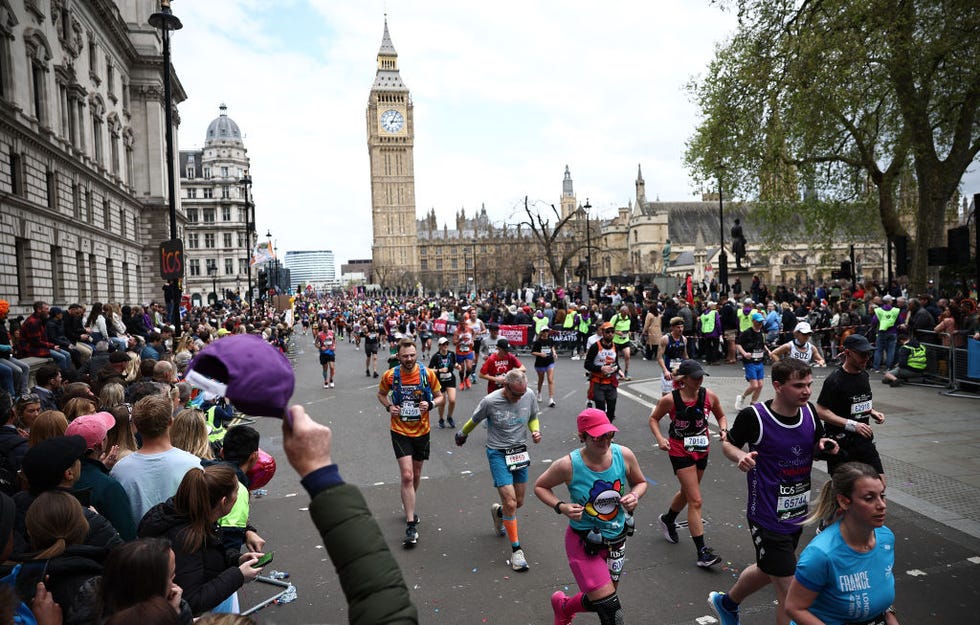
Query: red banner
517, 335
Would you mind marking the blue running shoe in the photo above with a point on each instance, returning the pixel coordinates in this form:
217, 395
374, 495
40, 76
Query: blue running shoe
726, 617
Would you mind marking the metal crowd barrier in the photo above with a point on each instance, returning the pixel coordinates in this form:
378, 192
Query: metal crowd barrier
961, 383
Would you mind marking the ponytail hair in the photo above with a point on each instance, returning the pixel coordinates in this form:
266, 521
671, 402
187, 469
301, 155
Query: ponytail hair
198, 495
54, 521
842, 482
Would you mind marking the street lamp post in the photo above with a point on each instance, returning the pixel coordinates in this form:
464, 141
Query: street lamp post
165, 21
473, 257
275, 262
722, 255
249, 231
213, 272
588, 243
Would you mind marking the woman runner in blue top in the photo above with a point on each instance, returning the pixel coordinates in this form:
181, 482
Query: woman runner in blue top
845, 575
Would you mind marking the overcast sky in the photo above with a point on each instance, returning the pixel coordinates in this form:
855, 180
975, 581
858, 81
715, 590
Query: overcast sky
506, 94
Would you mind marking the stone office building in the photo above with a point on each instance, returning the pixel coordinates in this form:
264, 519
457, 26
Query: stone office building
83, 191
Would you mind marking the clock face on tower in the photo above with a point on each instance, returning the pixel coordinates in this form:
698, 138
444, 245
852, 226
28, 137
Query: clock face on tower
392, 121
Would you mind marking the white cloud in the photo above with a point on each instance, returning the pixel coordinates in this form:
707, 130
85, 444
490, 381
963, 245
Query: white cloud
506, 94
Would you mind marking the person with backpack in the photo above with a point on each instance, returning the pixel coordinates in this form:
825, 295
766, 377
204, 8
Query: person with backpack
408, 391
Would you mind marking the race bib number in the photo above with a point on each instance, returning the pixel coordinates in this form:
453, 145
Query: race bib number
409, 411
757, 354
861, 407
517, 458
446, 376
696, 443
793, 501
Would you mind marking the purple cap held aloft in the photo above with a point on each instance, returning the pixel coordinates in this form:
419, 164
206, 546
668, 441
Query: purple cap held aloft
254, 375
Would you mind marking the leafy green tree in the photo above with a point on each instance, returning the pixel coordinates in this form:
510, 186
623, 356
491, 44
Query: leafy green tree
816, 109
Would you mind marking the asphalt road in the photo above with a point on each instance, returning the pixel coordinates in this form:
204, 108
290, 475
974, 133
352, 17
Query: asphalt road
459, 572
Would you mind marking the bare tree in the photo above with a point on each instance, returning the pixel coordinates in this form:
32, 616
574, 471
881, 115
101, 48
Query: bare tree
559, 244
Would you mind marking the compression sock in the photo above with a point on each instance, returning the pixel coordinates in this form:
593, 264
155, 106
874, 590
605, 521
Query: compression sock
670, 516
510, 524
609, 610
698, 542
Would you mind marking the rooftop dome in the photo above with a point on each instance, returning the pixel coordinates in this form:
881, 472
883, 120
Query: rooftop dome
223, 128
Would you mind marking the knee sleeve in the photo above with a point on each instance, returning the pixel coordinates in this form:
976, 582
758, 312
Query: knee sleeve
609, 610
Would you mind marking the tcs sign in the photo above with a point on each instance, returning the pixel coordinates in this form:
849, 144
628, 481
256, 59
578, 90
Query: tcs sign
172, 259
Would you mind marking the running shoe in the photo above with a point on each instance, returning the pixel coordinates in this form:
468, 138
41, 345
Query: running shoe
575, 357
627, 378
669, 530
725, 617
452, 423
375, 374
442, 424
411, 536
738, 402
325, 385
496, 513
539, 397
367, 373
473, 377
518, 562
552, 403
558, 602
707, 558
331, 384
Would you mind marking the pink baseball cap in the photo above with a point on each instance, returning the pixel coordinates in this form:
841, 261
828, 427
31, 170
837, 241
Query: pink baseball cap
92, 427
594, 422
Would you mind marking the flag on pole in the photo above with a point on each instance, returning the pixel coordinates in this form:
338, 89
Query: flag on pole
263, 253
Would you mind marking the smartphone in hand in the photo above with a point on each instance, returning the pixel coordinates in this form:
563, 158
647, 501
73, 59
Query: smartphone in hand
265, 559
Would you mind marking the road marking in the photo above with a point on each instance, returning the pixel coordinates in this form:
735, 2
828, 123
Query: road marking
915, 572
637, 399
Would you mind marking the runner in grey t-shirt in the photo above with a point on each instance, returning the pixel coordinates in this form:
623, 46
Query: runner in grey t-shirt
509, 412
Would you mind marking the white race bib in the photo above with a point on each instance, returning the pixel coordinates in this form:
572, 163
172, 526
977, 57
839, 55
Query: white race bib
517, 458
757, 354
696, 443
409, 411
860, 407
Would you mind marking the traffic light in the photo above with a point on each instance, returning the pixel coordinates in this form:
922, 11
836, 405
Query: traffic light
263, 282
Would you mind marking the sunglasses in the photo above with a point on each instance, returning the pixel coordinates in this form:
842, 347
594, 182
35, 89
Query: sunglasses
608, 436
607, 331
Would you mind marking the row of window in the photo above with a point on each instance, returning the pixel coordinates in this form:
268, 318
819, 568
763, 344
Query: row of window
75, 276
234, 172
211, 266
208, 193
194, 240
207, 215
80, 197
453, 264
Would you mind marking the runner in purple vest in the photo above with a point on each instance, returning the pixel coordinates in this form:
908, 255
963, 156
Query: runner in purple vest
782, 436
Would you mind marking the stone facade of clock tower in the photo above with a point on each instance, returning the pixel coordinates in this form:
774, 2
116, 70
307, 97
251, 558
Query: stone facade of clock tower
391, 137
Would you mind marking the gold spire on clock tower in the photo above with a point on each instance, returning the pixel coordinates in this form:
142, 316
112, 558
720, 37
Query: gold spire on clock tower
391, 137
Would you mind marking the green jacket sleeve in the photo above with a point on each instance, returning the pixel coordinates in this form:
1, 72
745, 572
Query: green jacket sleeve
369, 576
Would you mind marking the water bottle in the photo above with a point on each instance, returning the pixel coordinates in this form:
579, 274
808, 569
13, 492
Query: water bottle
594, 538
630, 524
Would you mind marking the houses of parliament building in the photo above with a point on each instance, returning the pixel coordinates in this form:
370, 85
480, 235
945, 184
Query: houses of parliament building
632, 246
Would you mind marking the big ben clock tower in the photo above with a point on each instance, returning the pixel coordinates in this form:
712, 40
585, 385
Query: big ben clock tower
391, 136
